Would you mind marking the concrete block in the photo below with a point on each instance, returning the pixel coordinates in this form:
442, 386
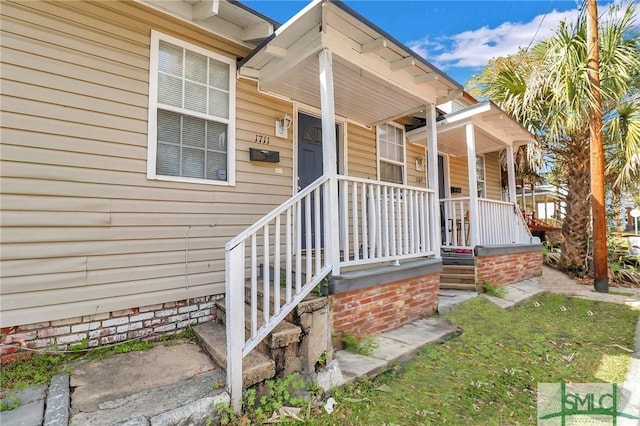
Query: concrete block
331, 376
137, 421
195, 413
57, 411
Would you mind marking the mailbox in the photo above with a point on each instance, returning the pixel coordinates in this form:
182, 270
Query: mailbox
265, 155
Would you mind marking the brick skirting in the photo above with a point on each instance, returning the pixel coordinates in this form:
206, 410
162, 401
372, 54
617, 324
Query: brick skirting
509, 268
144, 323
384, 307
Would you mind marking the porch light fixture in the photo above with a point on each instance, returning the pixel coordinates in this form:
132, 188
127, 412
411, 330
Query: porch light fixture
282, 125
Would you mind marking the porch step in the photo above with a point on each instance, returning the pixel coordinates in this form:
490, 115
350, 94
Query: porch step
284, 334
458, 277
458, 286
212, 337
459, 269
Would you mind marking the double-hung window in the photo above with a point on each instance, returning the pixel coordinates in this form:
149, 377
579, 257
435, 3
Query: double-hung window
480, 177
391, 153
191, 113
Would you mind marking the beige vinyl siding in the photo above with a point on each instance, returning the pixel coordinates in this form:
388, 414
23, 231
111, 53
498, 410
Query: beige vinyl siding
84, 230
415, 177
459, 175
361, 152
492, 175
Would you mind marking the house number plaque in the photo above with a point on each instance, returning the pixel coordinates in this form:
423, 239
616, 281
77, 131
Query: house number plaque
265, 140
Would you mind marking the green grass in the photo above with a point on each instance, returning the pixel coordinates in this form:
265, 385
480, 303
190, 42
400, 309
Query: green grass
489, 374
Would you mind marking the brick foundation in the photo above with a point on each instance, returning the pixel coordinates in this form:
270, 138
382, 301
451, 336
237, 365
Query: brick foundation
145, 323
503, 269
384, 307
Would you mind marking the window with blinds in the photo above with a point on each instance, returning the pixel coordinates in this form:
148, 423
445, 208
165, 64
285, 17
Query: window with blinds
391, 153
191, 113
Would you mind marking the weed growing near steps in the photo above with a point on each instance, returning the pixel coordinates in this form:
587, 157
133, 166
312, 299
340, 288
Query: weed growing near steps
257, 409
10, 403
363, 345
495, 291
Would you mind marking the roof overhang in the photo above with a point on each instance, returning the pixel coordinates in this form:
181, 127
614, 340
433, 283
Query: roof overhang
228, 18
376, 78
493, 130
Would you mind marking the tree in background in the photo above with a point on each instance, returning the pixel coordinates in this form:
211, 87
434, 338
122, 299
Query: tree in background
547, 89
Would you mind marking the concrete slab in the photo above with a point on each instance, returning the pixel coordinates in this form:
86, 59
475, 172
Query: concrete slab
517, 293
412, 336
121, 375
391, 350
151, 402
448, 299
30, 414
355, 365
31, 409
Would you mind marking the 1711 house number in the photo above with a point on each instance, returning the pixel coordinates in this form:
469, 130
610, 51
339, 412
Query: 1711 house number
263, 139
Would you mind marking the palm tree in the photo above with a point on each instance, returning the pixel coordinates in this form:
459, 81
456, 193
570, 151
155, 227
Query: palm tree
547, 89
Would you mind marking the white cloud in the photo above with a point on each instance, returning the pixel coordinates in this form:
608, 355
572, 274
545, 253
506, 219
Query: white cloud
474, 48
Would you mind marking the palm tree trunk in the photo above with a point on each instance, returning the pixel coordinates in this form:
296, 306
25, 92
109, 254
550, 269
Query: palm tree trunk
576, 223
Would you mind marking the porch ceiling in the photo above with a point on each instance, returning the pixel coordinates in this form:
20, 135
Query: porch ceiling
376, 79
493, 130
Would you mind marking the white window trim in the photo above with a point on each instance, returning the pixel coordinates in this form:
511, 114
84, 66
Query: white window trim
484, 178
153, 107
404, 152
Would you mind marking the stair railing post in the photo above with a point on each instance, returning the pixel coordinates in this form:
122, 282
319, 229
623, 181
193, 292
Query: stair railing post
234, 300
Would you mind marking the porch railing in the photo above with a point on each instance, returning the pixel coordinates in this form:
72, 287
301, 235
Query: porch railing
288, 264
382, 221
501, 223
283, 254
455, 219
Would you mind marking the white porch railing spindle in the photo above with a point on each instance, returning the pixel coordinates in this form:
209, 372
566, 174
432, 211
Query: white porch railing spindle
365, 231
254, 286
385, 220
318, 230
355, 227
289, 243
276, 266
344, 213
266, 275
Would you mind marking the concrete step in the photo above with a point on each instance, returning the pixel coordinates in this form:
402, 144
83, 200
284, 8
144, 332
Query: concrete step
284, 334
213, 339
459, 269
458, 286
457, 278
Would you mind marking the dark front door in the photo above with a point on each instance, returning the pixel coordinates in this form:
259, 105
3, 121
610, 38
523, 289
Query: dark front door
310, 165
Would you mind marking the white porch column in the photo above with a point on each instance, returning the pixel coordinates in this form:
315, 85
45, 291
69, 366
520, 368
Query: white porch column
329, 157
511, 175
474, 220
431, 148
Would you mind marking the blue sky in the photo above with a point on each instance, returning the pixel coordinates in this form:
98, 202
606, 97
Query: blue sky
459, 37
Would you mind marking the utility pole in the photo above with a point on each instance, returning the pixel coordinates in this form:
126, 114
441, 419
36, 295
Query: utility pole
600, 267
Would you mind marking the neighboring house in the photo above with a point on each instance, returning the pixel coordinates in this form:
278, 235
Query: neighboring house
149, 149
